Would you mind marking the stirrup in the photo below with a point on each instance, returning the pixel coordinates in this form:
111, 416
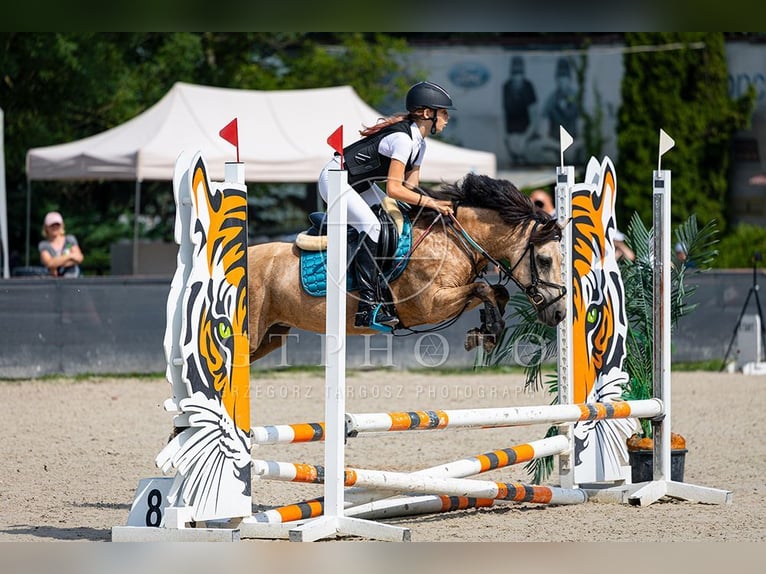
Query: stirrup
383, 322
369, 318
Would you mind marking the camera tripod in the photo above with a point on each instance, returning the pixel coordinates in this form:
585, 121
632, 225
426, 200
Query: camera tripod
753, 291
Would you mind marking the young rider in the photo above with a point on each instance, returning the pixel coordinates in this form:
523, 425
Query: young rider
392, 152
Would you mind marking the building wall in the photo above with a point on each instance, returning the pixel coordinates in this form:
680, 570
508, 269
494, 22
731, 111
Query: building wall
475, 77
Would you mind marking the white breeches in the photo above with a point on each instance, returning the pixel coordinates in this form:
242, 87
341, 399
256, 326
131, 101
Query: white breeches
359, 214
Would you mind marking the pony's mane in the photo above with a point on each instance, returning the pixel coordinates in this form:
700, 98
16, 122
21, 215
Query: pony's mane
502, 196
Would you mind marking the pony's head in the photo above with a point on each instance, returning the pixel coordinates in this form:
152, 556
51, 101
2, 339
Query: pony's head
527, 249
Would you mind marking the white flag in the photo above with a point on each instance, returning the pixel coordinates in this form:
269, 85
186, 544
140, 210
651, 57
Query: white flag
666, 142
566, 140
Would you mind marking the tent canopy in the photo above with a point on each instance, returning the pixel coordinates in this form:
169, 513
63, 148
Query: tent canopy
282, 138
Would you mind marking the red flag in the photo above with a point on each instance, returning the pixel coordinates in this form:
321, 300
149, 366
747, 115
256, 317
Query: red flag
231, 134
336, 142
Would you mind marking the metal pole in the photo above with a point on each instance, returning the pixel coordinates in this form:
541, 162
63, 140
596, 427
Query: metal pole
29, 219
661, 324
136, 213
564, 184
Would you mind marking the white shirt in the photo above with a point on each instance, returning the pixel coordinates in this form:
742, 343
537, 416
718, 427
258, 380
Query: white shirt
400, 147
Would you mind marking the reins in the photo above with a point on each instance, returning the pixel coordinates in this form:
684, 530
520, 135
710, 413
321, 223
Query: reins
531, 290
505, 269
403, 331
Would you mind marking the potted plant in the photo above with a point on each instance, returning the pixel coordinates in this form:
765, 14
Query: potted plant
696, 256
693, 252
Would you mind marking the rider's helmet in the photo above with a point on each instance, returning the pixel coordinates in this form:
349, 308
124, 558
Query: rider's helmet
428, 95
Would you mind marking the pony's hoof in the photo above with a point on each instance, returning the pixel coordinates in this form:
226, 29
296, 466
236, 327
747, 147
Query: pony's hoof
488, 342
472, 339
476, 337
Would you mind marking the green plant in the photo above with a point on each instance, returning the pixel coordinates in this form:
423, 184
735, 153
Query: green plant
637, 280
540, 341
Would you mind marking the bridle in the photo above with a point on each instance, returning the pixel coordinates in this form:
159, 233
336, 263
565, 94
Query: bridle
531, 290
467, 243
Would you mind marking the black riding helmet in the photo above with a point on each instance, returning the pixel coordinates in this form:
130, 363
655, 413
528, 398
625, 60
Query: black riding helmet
428, 95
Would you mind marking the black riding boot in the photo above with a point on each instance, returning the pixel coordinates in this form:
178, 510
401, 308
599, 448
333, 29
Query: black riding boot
369, 279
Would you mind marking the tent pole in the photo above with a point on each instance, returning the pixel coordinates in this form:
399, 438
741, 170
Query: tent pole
29, 219
136, 213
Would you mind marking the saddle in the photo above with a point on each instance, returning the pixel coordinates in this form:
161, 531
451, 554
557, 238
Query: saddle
393, 245
387, 212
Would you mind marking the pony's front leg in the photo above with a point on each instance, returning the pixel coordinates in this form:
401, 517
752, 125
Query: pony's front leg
457, 299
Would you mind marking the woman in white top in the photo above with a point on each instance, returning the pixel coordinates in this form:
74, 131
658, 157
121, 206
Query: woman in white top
391, 151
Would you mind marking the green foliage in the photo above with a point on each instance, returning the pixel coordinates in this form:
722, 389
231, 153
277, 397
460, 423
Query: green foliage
61, 87
739, 246
539, 469
637, 277
684, 92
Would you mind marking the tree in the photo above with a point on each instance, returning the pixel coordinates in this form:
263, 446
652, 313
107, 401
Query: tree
60, 87
684, 92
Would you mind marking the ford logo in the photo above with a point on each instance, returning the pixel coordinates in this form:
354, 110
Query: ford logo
469, 74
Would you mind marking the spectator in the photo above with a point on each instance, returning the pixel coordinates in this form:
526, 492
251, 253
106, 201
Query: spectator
59, 252
542, 200
682, 253
621, 248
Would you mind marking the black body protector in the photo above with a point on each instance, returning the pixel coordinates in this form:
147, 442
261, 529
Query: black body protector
365, 164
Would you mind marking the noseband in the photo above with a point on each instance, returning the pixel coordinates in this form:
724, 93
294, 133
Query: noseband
532, 290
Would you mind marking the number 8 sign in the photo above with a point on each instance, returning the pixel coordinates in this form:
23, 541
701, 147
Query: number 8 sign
150, 503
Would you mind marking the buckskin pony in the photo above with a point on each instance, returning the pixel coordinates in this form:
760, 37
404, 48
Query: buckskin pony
494, 223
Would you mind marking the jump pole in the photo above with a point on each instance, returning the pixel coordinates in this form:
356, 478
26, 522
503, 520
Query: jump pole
333, 522
661, 483
424, 484
501, 416
457, 418
370, 503
375, 502
462, 468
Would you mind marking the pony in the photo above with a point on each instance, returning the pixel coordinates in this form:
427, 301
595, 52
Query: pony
494, 223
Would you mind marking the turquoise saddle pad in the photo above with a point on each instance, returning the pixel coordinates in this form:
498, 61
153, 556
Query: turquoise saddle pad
314, 265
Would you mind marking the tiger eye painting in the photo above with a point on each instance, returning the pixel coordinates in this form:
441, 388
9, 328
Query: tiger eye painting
207, 348
599, 325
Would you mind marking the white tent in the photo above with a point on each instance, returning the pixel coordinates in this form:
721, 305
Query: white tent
282, 138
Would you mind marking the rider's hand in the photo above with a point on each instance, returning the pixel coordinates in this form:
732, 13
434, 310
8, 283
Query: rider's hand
443, 206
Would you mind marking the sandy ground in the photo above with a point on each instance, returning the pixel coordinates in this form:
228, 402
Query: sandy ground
74, 451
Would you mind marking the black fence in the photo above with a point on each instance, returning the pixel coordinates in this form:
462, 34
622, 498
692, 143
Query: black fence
116, 325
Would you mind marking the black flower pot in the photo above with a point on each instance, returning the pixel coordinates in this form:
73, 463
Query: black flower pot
642, 469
